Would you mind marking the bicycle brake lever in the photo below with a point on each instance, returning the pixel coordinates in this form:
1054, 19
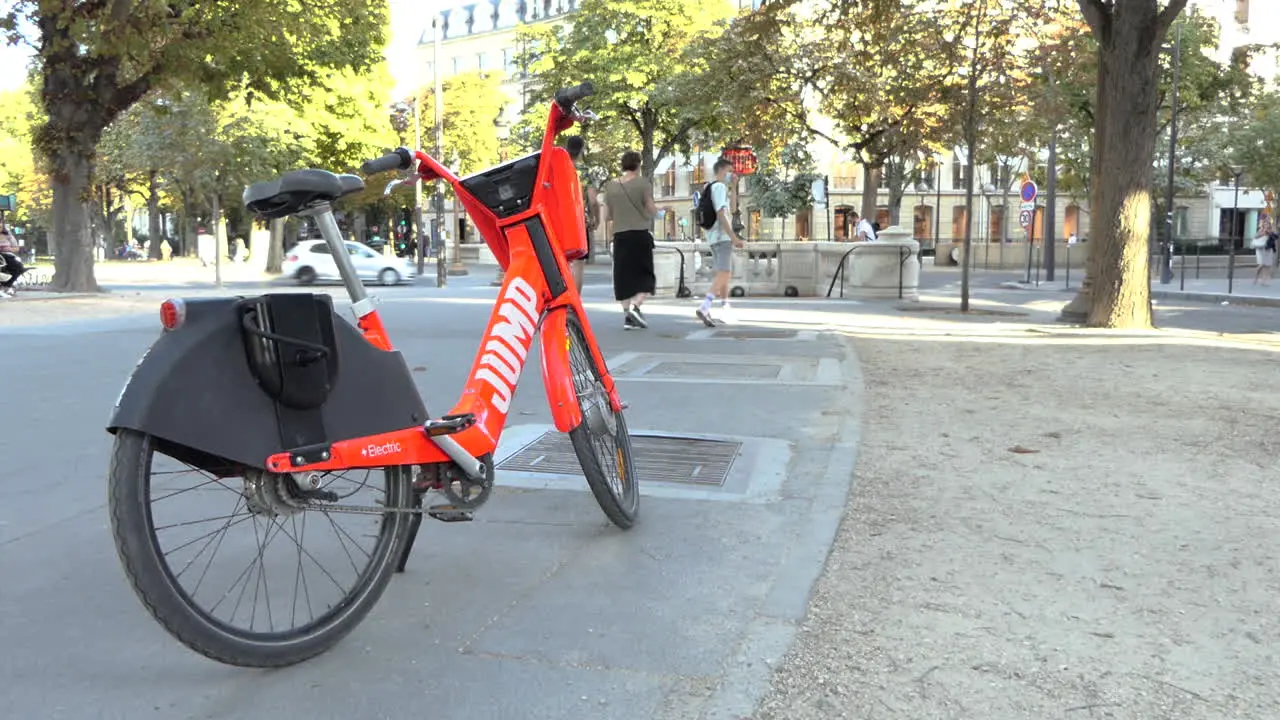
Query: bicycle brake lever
587, 115
392, 185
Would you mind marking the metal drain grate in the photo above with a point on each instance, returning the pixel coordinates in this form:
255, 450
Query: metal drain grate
659, 458
745, 371
755, 333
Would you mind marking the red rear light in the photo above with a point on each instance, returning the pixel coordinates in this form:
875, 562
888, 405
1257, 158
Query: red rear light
173, 313
292, 258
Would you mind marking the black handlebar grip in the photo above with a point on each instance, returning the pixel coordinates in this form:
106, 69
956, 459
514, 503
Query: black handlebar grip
568, 97
401, 159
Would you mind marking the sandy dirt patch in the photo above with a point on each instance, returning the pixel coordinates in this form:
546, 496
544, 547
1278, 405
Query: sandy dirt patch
1064, 527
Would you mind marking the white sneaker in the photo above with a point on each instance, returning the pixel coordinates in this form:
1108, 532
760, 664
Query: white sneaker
704, 314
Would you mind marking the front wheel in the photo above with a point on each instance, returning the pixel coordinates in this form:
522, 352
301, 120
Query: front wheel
601, 440
389, 277
226, 564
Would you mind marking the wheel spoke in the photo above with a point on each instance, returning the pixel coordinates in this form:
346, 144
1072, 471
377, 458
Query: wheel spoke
247, 604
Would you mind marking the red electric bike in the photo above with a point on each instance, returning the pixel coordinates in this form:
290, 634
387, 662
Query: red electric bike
287, 413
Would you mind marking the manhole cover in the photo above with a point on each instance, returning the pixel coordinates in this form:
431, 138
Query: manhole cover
716, 370
757, 333
958, 311
658, 458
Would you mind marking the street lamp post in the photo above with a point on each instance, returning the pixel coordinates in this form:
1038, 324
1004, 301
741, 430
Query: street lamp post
1166, 251
1237, 171
437, 196
417, 185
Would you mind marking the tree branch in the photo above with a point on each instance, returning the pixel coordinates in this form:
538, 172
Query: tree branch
1098, 15
1168, 15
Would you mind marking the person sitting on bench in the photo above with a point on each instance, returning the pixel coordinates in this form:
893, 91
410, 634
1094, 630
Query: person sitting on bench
13, 267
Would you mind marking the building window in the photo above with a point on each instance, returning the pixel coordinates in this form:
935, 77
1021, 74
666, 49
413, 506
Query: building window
804, 221
995, 225
1071, 222
1242, 12
457, 65
882, 217
959, 221
922, 227
1181, 221
669, 182
509, 61
699, 173
482, 61
958, 170
843, 218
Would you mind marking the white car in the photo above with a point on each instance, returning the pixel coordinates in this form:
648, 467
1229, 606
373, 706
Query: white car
310, 260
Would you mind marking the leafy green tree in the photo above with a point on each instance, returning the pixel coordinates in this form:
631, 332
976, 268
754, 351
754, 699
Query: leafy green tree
21, 172
99, 57
346, 112
783, 187
1255, 143
644, 58
473, 104
883, 73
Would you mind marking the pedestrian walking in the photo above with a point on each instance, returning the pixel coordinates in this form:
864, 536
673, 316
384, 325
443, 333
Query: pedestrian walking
1264, 246
628, 203
713, 210
577, 147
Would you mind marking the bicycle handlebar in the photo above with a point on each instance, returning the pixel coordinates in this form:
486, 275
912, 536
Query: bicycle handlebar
566, 98
401, 159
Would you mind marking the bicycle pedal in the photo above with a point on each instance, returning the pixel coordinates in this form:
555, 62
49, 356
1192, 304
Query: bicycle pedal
449, 424
449, 513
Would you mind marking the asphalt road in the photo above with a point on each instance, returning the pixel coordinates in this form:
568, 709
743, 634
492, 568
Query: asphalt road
538, 609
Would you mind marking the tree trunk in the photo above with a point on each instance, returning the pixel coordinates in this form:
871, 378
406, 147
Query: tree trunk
897, 169
1116, 292
870, 191
73, 263
275, 251
1121, 218
153, 216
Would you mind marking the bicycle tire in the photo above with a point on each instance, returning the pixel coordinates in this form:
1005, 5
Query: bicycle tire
620, 504
138, 546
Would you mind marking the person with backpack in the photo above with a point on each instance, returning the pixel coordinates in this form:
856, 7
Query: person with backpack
1264, 245
713, 217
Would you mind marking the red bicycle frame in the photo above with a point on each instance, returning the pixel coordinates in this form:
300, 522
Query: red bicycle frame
536, 296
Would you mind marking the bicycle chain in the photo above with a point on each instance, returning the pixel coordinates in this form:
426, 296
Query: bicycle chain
361, 509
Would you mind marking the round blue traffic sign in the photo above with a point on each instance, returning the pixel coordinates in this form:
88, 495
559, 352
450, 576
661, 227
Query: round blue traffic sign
1029, 191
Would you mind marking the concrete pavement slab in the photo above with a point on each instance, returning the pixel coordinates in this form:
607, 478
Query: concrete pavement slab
538, 609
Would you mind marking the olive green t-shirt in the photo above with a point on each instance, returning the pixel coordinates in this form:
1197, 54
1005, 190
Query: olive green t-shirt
625, 201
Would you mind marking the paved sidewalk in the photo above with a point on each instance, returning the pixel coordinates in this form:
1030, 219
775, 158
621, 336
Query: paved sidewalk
539, 609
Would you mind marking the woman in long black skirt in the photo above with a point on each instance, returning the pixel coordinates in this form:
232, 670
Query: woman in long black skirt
628, 202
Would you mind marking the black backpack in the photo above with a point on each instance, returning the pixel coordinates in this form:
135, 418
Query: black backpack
707, 214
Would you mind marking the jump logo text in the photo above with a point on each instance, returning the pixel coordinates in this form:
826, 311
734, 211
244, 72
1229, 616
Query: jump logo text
508, 343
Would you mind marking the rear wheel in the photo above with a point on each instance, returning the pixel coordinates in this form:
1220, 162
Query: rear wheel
389, 277
601, 440
226, 564
306, 276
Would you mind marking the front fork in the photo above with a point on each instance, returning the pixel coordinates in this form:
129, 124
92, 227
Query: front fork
557, 370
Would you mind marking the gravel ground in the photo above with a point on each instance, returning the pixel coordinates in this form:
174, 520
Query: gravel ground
1051, 524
